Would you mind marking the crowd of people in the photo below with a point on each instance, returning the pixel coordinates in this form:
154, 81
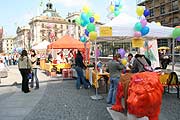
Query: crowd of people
27, 63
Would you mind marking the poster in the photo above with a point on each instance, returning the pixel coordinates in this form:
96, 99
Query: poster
150, 50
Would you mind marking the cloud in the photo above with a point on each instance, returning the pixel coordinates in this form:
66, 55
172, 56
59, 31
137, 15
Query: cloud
71, 3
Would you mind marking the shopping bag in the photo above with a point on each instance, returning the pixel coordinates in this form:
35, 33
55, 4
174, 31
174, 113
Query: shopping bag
30, 76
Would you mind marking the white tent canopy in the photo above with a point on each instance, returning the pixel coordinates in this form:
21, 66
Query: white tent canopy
123, 26
41, 46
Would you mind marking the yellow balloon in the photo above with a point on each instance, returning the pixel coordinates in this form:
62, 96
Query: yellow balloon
93, 36
96, 17
140, 10
124, 61
158, 23
111, 8
86, 9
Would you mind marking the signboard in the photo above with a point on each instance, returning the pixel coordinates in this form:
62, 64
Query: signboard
105, 31
137, 42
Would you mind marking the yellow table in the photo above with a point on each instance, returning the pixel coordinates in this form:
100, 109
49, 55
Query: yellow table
42, 64
49, 66
96, 76
63, 66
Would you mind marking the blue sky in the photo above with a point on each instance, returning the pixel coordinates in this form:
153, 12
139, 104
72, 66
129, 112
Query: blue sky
16, 13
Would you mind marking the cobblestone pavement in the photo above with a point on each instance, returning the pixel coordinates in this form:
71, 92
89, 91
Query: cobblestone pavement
62, 101
59, 100
170, 108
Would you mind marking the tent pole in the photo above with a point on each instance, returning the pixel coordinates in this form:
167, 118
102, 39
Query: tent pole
173, 56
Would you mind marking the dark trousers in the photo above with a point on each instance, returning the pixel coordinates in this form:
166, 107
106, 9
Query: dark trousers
25, 80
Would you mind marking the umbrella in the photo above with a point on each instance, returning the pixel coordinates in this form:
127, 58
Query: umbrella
163, 48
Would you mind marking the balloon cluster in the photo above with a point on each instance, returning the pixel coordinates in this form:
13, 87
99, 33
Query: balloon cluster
176, 33
87, 19
115, 8
140, 27
122, 52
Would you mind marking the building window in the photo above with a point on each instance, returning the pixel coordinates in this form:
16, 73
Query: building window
61, 26
163, 21
162, 9
151, 12
175, 5
43, 25
176, 20
55, 26
55, 34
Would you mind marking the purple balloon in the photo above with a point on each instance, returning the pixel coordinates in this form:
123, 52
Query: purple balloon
122, 52
91, 19
178, 38
86, 32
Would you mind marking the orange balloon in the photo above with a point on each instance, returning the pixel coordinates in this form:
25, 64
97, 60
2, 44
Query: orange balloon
177, 26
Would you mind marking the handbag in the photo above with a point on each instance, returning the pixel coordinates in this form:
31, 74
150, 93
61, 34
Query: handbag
30, 76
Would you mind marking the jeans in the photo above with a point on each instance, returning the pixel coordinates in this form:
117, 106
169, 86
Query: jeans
112, 90
34, 76
80, 77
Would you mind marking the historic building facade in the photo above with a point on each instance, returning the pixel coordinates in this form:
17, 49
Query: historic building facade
164, 11
8, 44
22, 40
167, 12
48, 26
1, 43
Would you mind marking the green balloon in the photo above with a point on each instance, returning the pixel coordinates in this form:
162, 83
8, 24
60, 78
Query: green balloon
91, 27
176, 33
116, 12
138, 26
78, 21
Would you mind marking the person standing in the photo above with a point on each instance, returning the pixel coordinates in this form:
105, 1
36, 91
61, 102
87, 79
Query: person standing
34, 70
79, 69
25, 66
115, 68
129, 61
